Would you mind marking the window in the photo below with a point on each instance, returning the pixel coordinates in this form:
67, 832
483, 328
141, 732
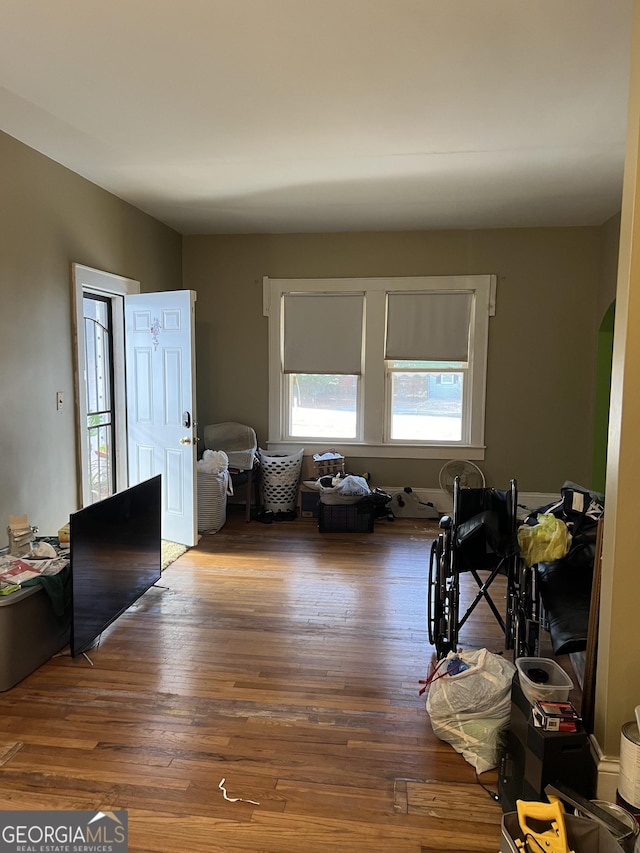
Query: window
321, 364
100, 380
425, 404
322, 405
384, 366
98, 371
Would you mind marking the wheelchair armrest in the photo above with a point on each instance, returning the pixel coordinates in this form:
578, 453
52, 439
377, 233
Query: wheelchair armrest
445, 522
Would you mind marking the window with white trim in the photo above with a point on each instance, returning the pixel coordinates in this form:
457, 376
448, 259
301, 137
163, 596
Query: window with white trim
382, 366
101, 428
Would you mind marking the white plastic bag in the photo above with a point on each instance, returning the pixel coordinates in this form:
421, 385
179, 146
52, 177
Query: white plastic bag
213, 462
470, 709
345, 490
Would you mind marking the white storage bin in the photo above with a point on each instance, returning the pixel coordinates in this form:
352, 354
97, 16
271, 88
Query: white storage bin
543, 679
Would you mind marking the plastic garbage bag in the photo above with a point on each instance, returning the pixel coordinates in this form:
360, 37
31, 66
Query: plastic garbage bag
470, 709
544, 542
351, 485
345, 490
213, 462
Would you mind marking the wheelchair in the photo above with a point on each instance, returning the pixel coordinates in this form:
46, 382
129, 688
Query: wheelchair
479, 537
525, 613
556, 596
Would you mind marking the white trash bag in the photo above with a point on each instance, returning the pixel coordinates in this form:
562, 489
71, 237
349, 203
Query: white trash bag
213, 462
470, 709
344, 490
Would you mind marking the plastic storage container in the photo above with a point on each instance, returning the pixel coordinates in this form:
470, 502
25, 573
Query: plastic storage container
542, 679
345, 518
30, 633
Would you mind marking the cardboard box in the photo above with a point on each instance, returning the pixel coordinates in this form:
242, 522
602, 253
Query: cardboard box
64, 535
307, 504
555, 716
328, 464
312, 469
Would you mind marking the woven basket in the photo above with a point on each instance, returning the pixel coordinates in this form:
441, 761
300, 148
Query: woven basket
212, 501
333, 464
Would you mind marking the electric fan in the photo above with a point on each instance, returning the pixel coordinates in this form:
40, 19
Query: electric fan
470, 475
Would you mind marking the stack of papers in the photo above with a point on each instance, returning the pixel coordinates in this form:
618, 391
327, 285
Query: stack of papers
17, 570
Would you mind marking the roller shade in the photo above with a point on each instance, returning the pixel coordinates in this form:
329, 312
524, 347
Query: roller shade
323, 333
428, 326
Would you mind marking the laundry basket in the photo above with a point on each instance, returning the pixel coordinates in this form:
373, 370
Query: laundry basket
213, 489
280, 478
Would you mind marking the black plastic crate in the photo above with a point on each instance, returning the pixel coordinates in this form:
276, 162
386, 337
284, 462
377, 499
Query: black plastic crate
345, 518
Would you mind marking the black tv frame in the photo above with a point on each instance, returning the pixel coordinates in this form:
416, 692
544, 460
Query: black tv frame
116, 556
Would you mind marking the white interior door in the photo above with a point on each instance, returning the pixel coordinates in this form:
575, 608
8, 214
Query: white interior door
161, 421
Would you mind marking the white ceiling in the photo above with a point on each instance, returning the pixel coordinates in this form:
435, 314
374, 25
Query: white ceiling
243, 116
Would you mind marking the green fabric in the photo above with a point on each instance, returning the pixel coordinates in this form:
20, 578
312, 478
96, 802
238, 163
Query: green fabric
58, 588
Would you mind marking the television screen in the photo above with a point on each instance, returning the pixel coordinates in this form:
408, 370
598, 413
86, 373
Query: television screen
115, 558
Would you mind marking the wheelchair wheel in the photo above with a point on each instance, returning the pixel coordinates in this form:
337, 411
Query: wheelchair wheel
434, 601
439, 601
525, 617
526, 637
513, 597
510, 623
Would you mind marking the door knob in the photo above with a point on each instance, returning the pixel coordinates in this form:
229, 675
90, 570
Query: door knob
185, 440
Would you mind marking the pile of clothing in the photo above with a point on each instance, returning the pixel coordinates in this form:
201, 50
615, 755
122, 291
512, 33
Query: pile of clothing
352, 489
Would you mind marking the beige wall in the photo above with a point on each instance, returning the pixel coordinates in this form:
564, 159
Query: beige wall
609, 278
542, 340
541, 346
50, 218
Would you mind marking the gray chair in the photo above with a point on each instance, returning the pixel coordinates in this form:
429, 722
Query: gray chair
240, 444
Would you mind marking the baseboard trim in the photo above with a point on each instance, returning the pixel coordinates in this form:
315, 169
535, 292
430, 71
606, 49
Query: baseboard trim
607, 772
430, 503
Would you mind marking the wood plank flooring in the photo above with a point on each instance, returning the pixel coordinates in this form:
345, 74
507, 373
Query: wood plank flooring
286, 662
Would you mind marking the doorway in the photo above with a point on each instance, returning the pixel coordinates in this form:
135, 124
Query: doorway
135, 393
602, 399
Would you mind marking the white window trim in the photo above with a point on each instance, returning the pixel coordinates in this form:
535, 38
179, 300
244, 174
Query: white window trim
89, 280
372, 444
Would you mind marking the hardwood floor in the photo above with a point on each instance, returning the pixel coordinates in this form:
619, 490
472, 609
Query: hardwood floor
286, 662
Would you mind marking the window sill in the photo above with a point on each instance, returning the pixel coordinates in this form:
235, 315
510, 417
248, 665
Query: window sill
380, 451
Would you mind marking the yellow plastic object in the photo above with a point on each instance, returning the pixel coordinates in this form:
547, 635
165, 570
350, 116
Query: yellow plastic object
543, 826
545, 541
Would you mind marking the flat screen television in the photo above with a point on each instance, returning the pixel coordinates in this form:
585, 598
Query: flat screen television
115, 558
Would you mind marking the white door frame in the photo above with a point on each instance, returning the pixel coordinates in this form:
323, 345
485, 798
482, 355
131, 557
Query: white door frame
115, 287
